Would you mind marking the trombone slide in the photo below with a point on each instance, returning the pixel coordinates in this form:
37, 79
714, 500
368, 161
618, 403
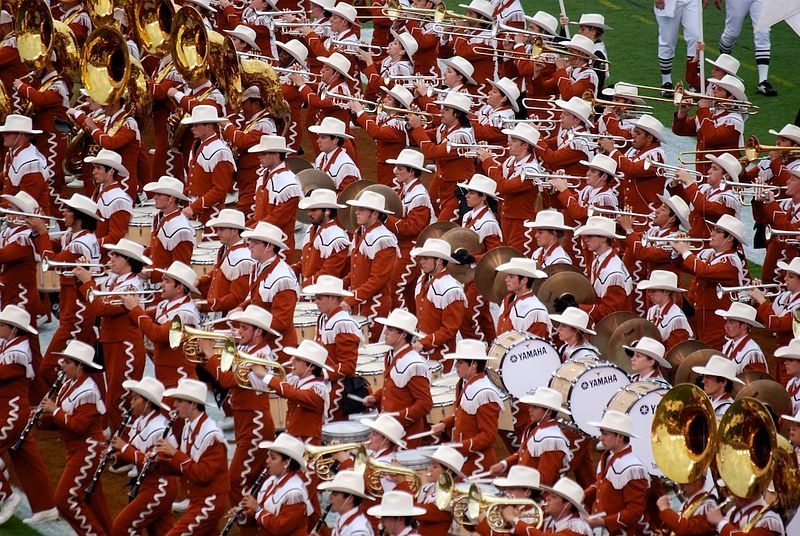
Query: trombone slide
21, 214
619, 141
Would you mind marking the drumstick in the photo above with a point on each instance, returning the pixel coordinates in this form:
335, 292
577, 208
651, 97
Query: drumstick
420, 435
598, 515
357, 398
479, 475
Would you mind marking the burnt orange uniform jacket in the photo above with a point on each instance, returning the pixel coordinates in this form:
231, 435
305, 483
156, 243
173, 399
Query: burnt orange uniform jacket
406, 389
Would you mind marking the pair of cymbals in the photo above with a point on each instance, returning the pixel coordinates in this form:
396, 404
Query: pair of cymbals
310, 180
566, 282
491, 284
355, 190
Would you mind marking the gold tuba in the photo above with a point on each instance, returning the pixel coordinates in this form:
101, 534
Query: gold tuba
374, 470
39, 35
325, 466
231, 355
101, 12
153, 22
261, 74
180, 335
492, 506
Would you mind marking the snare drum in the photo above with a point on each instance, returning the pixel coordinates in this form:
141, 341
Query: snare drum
198, 231
506, 420
639, 400
524, 362
444, 402
436, 369
203, 261
344, 432
416, 460
278, 407
304, 308
370, 368
363, 324
306, 327
140, 228
586, 387
47, 281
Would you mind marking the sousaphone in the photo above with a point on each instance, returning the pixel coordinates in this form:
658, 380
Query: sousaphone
490, 283
310, 180
153, 22
39, 35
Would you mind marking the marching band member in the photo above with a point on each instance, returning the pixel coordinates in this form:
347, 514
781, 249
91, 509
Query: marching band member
25, 169
177, 282
593, 26
599, 192
563, 508
527, 68
75, 15
252, 24
692, 517
436, 522
423, 32
343, 27
575, 76
373, 253
543, 445
718, 376
777, 167
565, 152
346, 497
572, 328
478, 407
739, 347
615, 118
326, 245
522, 482
163, 78
278, 191
334, 78
406, 387
114, 205
549, 231
719, 264
273, 284
399, 61
11, 66
521, 310
173, 237
16, 372
200, 460
417, 214
664, 313
385, 440
396, 513
451, 167
77, 413
150, 510
784, 214
440, 299
502, 103
293, 55
334, 158
339, 334
457, 78
465, 45
647, 361
120, 336
751, 514
244, 38
519, 194
18, 271
305, 389
618, 496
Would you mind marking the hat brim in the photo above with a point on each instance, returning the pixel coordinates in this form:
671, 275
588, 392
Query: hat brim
531, 224
727, 316
451, 105
657, 358
291, 52
530, 402
606, 428
15, 203
311, 206
370, 423
217, 222
133, 387
330, 486
508, 268
182, 281
785, 266
390, 91
647, 285
718, 66
91, 364
128, 254
244, 38
270, 445
378, 511
318, 129
592, 25
787, 354
589, 164
794, 138
737, 236
466, 186
80, 209
516, 135
468, 78
385, 322
193, 121
737, 93
175, 393
703, 371
503, 482
336, 68
156, 189
422, 252
433, 458
251, 235
121, 170
6, 130
566, 107
611, 92
240, 316
357, 203
513, 101
294, 352
258, 148
667, 200
464, 357
561, 320
395, 162
315, 290
587, 230
25, 327
578, 506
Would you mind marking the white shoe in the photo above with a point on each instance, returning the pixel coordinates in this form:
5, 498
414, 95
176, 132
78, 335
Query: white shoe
45, 516
10, 506
180, 506
225, 423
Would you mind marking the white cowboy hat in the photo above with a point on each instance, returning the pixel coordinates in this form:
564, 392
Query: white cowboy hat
338, 63
450, 458
792, 418
327, 285
205, 4
650, 124
595, 20
616, 421
729, 164
410, 158
371, 200
726, 62
310, 352
16, 123
148, 388
602, 163
396, 504
5, 17
574, 318
741, 312
569, 490
732, 226
327, 5
481, 183
22, 201
388, 427
508, 88
461, 66
544, 397
470, 350
678, 207
408, 43
16, 316
548, 219
106, 157
296, 50
793, 266
720, 366
130, 249
402, 320
350, 482
203, 114
251, 93
457, 101
245, 34
81, 352
256, 316
582, 44
228, 218
525, 132
732, 85
523, 267
266, 232
271, 144
401, 94
520, 476
790, 351
321, 198
598, 226
651, 348
345, 11
789, 131
545, 21
167, 185
288, 445
661, 280
331, 126
624, 91
481, 7
182, 274
577, 107
83, 204
434, 247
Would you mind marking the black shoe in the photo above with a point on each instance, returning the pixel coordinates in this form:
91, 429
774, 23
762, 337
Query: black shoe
766, 89
667, 86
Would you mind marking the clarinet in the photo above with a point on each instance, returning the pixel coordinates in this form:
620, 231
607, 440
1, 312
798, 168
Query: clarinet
37, 412
239, 509
126, 418
322, 518
151, 456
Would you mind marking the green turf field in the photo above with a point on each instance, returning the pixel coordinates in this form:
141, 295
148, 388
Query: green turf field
15, 527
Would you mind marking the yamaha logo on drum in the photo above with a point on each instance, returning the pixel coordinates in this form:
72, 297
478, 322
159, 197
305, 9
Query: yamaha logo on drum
597, 382
522, 356
648, 409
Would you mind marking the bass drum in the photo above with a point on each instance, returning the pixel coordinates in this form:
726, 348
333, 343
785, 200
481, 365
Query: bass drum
524, 362
586, 387
639, 400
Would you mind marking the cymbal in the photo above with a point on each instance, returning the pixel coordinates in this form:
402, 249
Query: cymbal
627, 333
434, 230
348, 194
678, 353
748, 377
552, 270
486, 279
562, 283
770, 393
605, 328
393, 201
310, 180
698, 358
296, 164
468, 239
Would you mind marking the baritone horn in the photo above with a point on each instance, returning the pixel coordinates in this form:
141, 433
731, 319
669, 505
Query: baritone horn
188, 337
492, 505
734, 292
325, 466
231, 356
374, 471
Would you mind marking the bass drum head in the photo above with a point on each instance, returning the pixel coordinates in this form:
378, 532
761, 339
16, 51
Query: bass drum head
527, 364
639, 401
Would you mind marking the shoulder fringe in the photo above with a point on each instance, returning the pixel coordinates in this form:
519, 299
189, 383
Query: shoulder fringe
442, 297
334, 327
210, 437
330, 241
188, 317
237, 265
418, 199
170, 236
87, 394
547, 443
620, 475
579, 526
416, 367
372, 244
120, 203
213, 154
271, 286
282, 188
18, 356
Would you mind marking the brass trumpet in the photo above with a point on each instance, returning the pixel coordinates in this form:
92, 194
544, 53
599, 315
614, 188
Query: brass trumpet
735, 292
231, 355
284, 27
619, 141
373, 471
664, 242
180, 335
394, 11
784, 235
320, 458
470, 150
63, 267
114, 297
492, 505
638, 218
341, 100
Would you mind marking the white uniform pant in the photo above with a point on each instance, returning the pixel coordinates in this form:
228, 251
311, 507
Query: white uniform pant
735, 12
684, 15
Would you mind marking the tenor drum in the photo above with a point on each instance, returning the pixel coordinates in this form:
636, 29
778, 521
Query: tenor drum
639, 400
506, 420
47, 281
370, 367
416, 460
203, 261
198, 231
278, 407
344, 432
304, 308
363, 324
586, 387
524, 362
444, 402
140, 228
306, 327
436, 369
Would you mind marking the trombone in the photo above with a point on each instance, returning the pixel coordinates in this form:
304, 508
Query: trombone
393, 110
679, 93
784, 235
394, 10
665, 242
735, 292
469, 150
341, 100
641, 108
619, 141
351, 46
499, 27
544, 124
63, 268
312, 77
638, 218
755, 147
231, 356
180, 335
21, 214
115, 297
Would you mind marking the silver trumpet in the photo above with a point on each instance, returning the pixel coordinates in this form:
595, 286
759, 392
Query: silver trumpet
444, 92
115, 297
544, 124
667, 171
750, 191
428, 79
341, 100
665, 242
352, 46
21, 214
784, 235
469, 150
312, 77
619, 141
284, 27
735, 293
542, 180
64, 268
638, 218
